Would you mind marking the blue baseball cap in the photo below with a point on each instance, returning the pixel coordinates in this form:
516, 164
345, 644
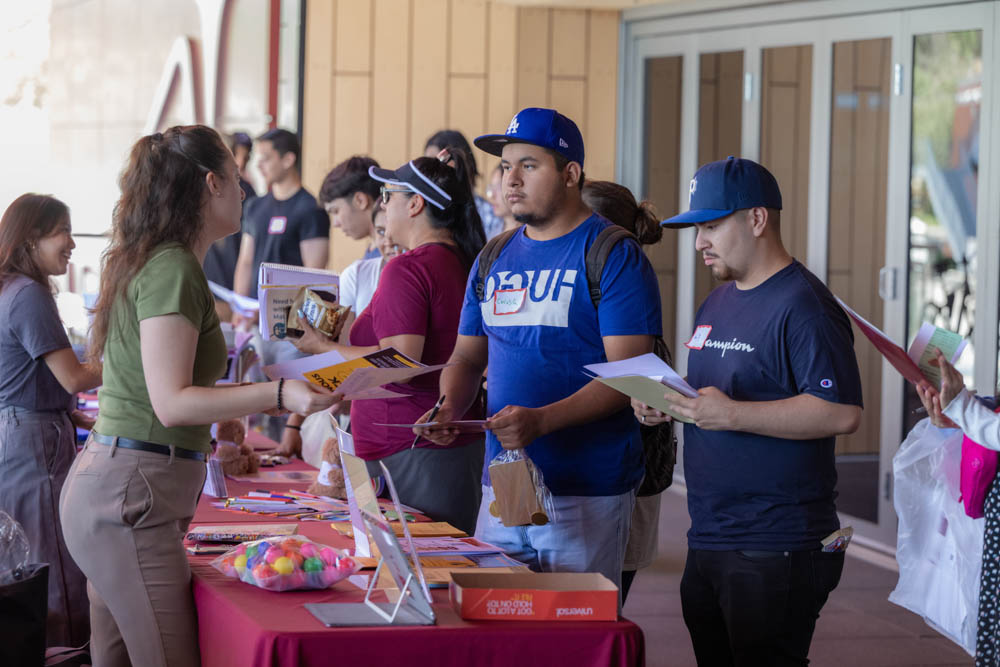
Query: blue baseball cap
721, 188
541, 127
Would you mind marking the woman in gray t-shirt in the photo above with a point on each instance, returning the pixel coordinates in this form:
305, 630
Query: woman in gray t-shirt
38, 375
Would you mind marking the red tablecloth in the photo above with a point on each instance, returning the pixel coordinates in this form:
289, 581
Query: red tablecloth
249, 627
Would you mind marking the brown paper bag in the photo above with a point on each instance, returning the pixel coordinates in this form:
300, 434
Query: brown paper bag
517, 502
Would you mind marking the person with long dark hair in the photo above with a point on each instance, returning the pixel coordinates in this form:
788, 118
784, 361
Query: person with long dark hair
431, 214
40, 373
454, 142
131, 493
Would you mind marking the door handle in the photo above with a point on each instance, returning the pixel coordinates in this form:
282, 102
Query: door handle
887, 283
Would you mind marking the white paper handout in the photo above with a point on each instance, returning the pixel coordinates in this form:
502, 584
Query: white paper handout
360, 493
243, 305
646, 378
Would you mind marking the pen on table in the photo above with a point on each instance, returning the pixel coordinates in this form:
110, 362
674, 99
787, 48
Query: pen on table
430, 418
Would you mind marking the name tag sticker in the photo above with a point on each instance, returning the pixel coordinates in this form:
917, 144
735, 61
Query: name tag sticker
277, 225
508, 301
699, 337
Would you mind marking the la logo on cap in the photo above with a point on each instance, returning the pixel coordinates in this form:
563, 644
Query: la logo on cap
512, 128
691, 190
562, 142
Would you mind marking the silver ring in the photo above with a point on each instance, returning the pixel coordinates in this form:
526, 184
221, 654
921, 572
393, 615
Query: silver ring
644, 419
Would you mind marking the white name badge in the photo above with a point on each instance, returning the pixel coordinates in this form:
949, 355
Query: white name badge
700, 337
277, 225
509, 301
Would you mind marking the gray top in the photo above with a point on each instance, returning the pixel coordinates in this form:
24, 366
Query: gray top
29, 328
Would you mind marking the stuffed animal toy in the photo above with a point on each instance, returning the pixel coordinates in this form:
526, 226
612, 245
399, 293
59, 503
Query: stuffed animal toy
234, 454
330, 481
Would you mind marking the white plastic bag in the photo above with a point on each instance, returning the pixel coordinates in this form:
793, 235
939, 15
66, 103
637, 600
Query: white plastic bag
939, 548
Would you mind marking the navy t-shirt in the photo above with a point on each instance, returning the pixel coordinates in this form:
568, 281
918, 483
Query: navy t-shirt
278, 226
31, 329
543, 329
780, 339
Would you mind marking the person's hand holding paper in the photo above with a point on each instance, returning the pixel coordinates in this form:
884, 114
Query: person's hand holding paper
440, 434
648, 416
710, 410
516, 427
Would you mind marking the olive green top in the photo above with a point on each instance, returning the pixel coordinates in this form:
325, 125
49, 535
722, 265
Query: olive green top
172, 281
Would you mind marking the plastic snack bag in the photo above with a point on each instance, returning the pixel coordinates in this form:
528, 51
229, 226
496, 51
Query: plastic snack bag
521, 495
13, 550
286, 564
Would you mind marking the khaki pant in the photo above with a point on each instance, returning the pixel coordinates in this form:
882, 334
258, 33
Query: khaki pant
124, 515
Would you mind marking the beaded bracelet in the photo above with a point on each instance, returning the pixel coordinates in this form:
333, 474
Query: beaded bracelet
281, 384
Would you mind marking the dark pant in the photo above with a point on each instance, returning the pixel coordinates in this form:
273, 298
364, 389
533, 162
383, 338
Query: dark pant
443, 483
755, 607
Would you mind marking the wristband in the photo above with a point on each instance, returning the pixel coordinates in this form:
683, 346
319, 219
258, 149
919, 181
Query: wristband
281, 384
297, 428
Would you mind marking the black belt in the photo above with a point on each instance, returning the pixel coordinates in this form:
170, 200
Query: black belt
129, 443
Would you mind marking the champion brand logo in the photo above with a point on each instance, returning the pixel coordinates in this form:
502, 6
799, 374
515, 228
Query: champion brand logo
562, 143
826, 383
512, 128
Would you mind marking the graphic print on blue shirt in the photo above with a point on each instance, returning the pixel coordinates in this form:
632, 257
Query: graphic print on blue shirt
543, 328
780, 339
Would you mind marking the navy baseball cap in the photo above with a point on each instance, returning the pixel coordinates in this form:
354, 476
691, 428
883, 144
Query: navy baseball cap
541, 127
721, 188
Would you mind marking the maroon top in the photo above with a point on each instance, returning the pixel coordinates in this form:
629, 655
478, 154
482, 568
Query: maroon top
420, 293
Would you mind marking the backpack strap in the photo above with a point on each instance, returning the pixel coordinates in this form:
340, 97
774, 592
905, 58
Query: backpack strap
488, 255
597, 256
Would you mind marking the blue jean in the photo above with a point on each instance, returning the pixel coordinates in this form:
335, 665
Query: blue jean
589, 534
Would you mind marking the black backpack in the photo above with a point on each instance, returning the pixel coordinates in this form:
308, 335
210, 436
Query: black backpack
659, 443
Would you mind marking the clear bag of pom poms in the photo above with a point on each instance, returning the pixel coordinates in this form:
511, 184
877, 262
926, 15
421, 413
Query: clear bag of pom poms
286, 564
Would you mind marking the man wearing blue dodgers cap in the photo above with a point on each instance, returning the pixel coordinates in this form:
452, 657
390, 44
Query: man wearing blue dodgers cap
772, 357
531, 320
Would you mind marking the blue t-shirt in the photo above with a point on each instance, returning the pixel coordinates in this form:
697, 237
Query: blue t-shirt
544, 329
780, 339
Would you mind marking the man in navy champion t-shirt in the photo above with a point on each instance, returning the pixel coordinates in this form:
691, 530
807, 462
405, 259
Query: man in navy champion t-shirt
772, 357
536, 327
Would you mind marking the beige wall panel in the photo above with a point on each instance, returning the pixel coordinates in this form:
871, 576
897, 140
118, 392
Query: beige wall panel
568, 96
600, 119
501, 92
569, 42
354, 34
390, 92
870, 55
467, 107
468, 36
351, 116
533, 58
318, 102
730, 111
429, 75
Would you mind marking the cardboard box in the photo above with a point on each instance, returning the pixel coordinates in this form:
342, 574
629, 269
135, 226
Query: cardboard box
548, 596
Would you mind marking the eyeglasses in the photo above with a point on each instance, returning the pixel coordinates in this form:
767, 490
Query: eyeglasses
387, 193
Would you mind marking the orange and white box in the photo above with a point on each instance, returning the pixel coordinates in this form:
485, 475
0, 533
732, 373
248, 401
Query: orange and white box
529, 596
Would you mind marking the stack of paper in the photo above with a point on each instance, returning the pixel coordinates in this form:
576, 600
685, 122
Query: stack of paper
277, 285
244, 532
646, 378
240, 304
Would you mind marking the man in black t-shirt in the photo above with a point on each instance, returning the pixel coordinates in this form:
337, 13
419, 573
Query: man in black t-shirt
772, 359
285, 225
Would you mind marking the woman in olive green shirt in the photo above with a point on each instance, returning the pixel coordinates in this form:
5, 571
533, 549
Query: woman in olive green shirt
132, 492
